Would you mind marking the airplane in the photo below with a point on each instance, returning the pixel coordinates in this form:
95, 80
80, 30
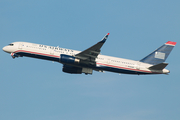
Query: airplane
78, 62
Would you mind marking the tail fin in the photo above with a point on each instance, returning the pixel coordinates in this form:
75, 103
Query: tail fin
159, 55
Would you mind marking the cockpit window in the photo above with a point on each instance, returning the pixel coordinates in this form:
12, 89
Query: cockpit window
11, 44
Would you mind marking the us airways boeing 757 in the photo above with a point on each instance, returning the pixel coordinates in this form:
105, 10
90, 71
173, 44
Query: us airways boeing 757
77, 62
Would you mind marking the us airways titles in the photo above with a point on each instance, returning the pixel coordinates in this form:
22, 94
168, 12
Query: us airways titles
55, 48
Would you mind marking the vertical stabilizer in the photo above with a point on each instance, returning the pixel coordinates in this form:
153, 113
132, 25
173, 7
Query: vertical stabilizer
159, 55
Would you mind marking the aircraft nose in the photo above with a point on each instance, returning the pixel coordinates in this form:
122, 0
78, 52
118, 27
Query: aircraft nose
4, 49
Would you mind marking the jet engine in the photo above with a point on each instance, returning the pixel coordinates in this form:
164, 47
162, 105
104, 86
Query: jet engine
68, 59
14, 55
76, 70
72, 69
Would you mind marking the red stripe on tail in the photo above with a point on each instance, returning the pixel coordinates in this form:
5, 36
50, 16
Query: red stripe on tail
171, 43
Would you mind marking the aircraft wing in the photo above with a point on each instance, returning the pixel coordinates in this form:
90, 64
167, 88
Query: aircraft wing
91, 53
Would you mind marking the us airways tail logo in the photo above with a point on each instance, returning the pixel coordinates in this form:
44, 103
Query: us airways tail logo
160, 55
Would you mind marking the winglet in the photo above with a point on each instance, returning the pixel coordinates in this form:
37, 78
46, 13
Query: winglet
105, 38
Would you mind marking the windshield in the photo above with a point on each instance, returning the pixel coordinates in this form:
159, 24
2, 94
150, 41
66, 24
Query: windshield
11, 44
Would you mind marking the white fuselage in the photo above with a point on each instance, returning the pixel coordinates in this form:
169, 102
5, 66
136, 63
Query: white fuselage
103, 62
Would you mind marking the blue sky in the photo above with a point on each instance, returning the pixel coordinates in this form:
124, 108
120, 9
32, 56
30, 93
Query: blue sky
33, 89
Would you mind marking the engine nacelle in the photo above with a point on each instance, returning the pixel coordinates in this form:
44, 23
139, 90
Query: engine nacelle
76, 70
68, 59
14, 55
71, 60
71, 69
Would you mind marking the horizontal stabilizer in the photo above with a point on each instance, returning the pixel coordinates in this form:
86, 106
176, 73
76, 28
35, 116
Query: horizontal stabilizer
160, 66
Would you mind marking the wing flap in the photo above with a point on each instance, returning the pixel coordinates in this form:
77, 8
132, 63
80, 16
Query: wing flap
89, 55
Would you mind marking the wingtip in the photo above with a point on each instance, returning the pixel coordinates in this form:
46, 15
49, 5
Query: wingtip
105, 38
